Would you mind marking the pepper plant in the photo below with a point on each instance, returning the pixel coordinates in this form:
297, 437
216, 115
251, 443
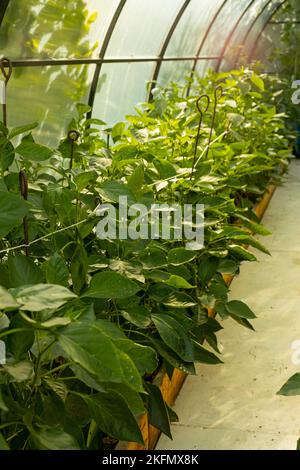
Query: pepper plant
87, 323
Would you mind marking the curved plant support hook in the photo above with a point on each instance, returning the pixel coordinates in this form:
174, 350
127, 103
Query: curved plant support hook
73, 136
6, 70
202, 111
23, 182
218, 95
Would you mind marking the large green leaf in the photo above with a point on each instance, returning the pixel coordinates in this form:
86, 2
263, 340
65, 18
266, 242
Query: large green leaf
174, 336
239, 309
12, 210
41, 296
158, 412
291, 387
144, 358
204, 356
20, 343
179, 256
22, 129
178, 282
53, 438
111, 285
111, 413
7, 153
31, 151
23, 270
89, 346
57, 270
138, 315
79, 268
208, 268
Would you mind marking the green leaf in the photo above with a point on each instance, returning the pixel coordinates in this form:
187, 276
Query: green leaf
242, 321
158, 412
112, 190
178, 282
241, 253
208, 268
3, 443
144, 357
138, 315
7, 300
258, 82
174, 336
53, 438
239, 309
179, 256
41, 296
111, 285
136, 180
291, 387
132, 398
179, 300
82, 109
171, 357
7, 153
79, 268
57, 271
31, 151
256, 244
92, 349
118, 131
20, 371
23, 270
82, 180
112, 415
204, 356
20, 343
12, 210
22, 129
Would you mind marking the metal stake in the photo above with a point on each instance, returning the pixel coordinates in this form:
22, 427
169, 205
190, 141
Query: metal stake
5, 63
218, 95
23, 182
202, 112
73, 136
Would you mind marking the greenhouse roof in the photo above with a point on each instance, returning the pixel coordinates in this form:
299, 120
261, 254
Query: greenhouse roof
104, 52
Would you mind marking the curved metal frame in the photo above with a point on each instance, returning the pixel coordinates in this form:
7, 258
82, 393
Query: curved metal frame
230, 36
250, 29
102, 53
203, 41
253, 49
165, 46
3, 8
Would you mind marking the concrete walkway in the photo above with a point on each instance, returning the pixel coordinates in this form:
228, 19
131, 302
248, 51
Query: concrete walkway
234, 405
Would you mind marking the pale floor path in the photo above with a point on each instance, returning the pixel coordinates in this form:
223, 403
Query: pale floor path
234, 405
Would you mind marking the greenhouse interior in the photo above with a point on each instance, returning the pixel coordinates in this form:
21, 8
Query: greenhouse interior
149, 225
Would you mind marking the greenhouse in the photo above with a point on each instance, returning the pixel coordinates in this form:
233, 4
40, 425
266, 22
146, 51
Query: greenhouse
149, 234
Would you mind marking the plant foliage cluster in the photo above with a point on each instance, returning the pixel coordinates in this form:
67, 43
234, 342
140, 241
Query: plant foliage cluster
87, 322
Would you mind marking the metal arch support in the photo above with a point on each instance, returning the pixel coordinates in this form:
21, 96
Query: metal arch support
165, 46
230, 36
250, 29
3, 8
102, 53
276, 9
210, 26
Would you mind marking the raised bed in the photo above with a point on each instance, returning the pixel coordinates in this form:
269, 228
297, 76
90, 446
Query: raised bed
171, 388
